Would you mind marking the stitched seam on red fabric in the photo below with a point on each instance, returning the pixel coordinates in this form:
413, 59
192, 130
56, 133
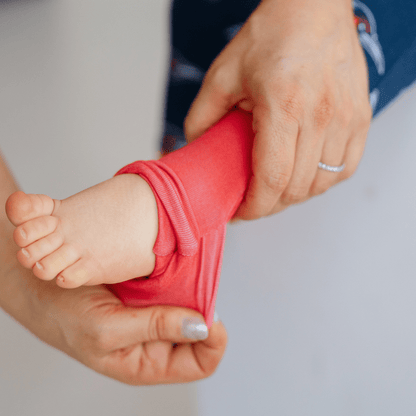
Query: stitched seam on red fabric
164, 186
188, 241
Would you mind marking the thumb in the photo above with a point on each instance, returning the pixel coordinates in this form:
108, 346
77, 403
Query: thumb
214, 100
158, 323
135, 346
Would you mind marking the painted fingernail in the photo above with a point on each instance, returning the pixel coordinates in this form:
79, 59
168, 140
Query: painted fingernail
25, 253
194, 328
39, 266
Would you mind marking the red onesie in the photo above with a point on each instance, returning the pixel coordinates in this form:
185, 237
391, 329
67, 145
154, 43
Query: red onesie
198, 188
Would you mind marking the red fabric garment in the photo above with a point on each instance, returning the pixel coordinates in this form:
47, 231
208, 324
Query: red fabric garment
198, 188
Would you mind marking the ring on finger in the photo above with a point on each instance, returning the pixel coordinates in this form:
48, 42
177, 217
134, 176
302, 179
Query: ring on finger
331, 168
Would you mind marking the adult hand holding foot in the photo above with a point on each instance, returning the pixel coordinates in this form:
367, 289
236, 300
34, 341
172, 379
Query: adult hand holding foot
90, 324
298, 66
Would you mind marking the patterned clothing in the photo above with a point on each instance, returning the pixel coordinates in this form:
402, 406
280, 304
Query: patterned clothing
201, 29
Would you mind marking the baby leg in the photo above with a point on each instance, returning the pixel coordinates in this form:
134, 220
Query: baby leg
167, 224
198, 188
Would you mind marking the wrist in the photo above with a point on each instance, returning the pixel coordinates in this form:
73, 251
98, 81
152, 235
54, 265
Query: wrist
299, 21
333, 7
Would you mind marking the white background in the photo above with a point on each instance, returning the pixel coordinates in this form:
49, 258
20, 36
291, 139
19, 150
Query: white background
318, 301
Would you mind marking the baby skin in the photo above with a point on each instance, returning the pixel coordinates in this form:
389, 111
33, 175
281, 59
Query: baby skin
154, 233
102, 235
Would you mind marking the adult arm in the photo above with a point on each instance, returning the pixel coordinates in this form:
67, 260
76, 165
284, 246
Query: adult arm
299, 67
91, 325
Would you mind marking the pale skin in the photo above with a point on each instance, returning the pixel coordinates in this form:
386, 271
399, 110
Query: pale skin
104, 234
298, 66
88, 323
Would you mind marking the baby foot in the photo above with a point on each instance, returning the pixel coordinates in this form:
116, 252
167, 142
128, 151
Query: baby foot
104, 234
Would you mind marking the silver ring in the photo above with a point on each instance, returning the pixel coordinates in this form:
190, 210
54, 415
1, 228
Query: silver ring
331, 168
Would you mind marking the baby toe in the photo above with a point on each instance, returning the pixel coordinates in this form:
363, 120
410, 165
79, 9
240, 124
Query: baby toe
33, 230
29, 255
74, 276
21, 207
53, 264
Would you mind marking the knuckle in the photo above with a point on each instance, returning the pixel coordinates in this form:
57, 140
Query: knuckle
291, 100
278, 182
323, 111
294, 195
157, 325
292, 107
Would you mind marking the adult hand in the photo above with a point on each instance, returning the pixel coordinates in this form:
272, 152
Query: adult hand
298, 66
132, 345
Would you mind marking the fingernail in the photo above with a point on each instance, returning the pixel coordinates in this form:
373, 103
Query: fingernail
25, 253
216, 317
39, 266
194, 328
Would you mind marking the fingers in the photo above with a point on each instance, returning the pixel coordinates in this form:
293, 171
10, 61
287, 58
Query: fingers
333, 155
135, 346
287, 150
321, 139
273, 156
220, 91
336, 136
209, 106
347, 148
308, 154
354, 152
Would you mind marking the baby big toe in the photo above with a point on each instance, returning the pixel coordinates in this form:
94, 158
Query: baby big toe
21, 207
53, 264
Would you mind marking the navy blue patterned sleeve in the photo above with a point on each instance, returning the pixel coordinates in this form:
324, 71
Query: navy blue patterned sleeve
200, 29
